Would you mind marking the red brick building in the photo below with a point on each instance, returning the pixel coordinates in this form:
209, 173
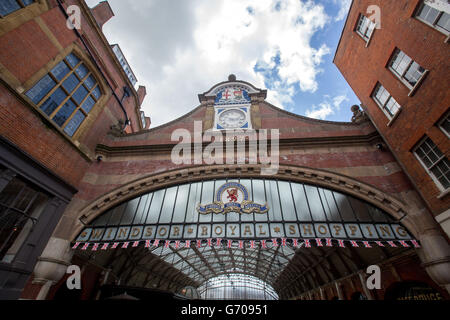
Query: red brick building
61, 91
336, 199
397, 64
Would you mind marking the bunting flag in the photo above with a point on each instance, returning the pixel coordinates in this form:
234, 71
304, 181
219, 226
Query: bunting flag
263, 244
76, 245
319, 242
392, 244
416, 245
403, 243
274, 243
366, 244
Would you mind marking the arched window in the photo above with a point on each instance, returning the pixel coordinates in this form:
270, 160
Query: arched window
66, 94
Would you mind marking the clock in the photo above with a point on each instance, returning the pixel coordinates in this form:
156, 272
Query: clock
232, 118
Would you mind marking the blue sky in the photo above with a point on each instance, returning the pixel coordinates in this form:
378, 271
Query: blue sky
181, 48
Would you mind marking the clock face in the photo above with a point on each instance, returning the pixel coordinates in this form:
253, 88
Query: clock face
233, 118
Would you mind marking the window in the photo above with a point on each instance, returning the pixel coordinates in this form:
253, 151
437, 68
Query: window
435, 15
435, 162
405, 68
9, 6
20, 207
66, 94
365, 28
385, 101
444, 124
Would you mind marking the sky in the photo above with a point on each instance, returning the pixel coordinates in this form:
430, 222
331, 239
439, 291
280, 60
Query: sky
180, 48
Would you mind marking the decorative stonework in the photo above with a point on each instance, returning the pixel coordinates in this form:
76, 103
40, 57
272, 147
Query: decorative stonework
395, 207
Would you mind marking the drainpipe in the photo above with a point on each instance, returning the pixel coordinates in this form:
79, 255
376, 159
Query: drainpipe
126, 92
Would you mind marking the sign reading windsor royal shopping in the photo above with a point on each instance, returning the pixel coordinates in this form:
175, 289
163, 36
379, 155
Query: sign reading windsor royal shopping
234, 197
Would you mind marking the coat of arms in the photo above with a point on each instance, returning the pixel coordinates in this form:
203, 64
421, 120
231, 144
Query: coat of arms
232, 197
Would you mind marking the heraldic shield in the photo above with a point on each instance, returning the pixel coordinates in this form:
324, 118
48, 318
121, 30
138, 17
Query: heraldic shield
232, 197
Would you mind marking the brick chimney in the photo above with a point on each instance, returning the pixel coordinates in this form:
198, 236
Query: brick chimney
102, 12
142, 92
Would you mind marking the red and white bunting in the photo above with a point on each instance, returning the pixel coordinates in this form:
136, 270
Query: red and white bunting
403, 243
366, 244
392, 244
416, 245
319, 242
275, 242
76, 245
263, 244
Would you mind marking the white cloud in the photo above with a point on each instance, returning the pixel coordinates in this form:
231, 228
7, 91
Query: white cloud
327, 107
178, 49
343, 11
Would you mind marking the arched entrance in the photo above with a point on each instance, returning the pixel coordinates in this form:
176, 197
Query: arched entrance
299, 239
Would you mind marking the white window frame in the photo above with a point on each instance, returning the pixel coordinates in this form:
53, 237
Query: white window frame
401, 77
446, 117
390, 116
444, 191
434, 24
371, 23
